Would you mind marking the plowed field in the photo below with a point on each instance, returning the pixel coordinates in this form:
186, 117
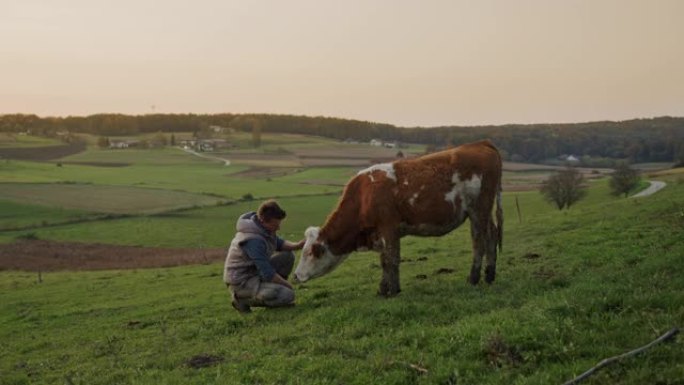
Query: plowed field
41, 255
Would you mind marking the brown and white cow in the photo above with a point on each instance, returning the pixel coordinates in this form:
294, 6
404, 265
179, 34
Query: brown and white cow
427, 196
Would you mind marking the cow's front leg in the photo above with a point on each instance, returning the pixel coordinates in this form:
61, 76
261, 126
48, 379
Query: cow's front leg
389, 258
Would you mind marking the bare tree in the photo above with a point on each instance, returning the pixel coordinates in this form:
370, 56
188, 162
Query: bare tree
623, 179
564, 188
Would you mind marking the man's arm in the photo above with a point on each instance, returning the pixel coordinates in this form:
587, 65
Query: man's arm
257, 252
290, 246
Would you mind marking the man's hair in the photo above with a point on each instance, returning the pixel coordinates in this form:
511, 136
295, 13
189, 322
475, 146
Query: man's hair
270, 210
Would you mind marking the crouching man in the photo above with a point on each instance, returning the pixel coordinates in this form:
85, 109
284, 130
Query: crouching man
259, 262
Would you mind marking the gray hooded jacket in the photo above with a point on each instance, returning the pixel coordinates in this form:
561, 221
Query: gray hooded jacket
239, 266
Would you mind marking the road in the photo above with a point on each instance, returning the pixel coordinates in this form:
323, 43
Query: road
650, 190
224, 161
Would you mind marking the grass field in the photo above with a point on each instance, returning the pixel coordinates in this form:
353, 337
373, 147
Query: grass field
558, 307
102, 199
16, 215
573, 287
20, 140
204, 227
211, 178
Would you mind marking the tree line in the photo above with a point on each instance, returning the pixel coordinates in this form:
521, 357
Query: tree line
600, 143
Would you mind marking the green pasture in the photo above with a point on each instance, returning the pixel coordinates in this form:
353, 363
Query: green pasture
322, 175
162, 157
18, 140
206, 177
204, 227
212, 226
102, 199
16, 215
573, 287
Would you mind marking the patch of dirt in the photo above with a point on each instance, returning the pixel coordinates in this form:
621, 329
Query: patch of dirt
444, 270
421, 276
98, 164
323, 182
42, 255
265, 172
42, 153
531, 256
330, 162
203, 361
498, 353
544, 273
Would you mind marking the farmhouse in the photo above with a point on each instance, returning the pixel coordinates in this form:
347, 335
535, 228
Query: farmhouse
123, 143
569, 158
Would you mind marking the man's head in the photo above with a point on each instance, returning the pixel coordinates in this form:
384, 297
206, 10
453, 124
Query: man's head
270, 215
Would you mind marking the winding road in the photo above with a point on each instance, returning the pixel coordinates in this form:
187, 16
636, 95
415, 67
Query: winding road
222, 160
650, 190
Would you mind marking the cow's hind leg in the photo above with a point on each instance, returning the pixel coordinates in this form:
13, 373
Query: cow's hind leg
389, 258
490, 248
478, 238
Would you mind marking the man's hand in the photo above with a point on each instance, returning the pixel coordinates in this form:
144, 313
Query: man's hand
281, 281
300, 245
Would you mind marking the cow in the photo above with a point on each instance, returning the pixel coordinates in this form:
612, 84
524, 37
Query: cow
429, 195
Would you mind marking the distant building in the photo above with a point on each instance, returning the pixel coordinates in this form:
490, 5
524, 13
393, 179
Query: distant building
376, 142
212, 144
568, 158
123, 143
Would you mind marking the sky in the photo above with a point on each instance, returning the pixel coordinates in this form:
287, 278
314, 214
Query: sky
408, 63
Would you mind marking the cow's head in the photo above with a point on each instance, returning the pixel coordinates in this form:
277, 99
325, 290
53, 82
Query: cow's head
317, 259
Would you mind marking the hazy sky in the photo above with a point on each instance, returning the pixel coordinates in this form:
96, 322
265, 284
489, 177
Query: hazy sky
409, 63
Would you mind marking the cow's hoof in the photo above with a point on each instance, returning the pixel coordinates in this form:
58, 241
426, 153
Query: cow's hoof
388, 294
490, 274
387, 290
474, 279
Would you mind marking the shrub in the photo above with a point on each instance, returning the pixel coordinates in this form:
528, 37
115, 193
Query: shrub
623, 179
564, 188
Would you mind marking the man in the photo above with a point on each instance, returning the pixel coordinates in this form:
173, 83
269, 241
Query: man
259, 262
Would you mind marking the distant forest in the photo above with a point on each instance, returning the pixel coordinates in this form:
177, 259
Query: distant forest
595, 143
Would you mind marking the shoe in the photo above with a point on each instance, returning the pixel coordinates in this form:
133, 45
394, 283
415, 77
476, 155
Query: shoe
240, 305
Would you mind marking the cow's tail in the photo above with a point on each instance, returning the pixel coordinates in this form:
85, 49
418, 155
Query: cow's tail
499, 208
499, 217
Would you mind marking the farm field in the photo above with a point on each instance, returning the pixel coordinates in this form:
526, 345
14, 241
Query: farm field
573, 287
102, 199
16, 215
17, 140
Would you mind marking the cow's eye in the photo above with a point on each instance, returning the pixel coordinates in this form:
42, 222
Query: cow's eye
317, 250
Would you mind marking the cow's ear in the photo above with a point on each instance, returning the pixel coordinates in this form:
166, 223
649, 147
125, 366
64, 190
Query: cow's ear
317, 250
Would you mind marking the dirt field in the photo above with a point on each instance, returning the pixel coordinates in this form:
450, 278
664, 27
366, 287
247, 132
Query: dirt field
40, 255
42, 153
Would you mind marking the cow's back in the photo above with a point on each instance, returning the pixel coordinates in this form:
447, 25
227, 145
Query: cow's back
435, 192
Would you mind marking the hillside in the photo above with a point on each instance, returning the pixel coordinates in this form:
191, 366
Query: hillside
573, 287
597, 144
